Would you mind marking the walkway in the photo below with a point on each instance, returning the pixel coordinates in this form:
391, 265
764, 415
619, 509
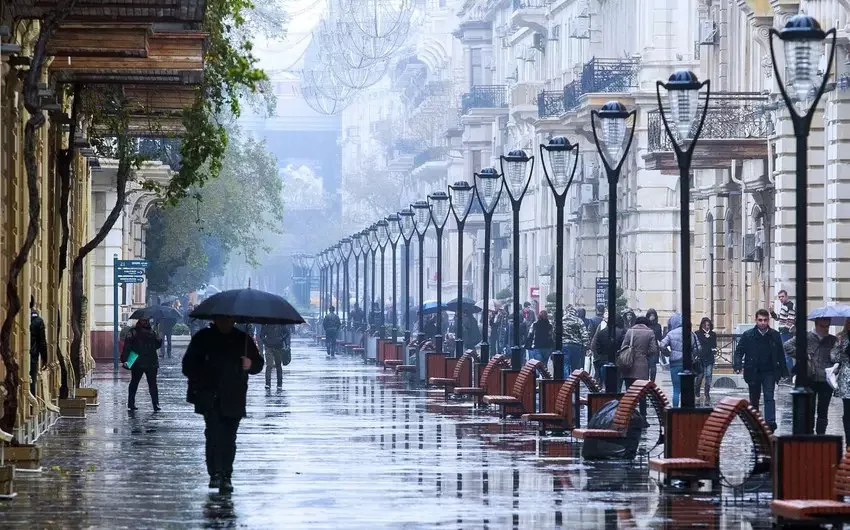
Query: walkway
341, 446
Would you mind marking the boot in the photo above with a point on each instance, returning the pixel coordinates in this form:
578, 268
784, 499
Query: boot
215, 481
225, 486
820, 426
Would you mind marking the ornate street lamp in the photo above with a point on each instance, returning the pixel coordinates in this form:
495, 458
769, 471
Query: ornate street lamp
561, 157
439, 202
421, 218
460, 197
383, 237
366, 247
309, 263
373, 244
488, 189
407, 227
356, 249
320, 259
345, 253
516, 172
612, 146
393, 230
337, 258
803, 40
683, 89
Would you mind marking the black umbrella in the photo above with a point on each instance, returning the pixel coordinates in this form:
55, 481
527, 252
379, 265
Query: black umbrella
156, 312
468, 305
248, 306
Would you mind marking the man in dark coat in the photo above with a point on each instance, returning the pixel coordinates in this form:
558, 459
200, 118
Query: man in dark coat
217, 363
331, 325
143, 341
602, 347
166, 329
38, 344
760, 355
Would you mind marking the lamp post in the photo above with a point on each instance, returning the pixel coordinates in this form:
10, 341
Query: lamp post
373, 244
421, 218
337, 255
366, 248
407, 227
488, 188
393, 230
345, 251
612, 146
439, 202
310, 262
683, 90
383, 237
802, 39
321, 260
356, 249
460, 197
516, 172
560, 177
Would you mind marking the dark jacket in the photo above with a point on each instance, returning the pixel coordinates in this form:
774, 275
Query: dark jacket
602, 344
275, 335
213, 365
652, 315
331, 324
707, 346
144, 341
819, 350
541, 334
760, 355
38, 338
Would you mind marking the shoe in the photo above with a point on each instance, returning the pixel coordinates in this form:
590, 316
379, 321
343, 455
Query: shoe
772, 426
280, 386
132, 408
215, 482
268, 386
225, 486
157, 408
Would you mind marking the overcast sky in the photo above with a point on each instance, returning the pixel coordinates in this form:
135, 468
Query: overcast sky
276, 55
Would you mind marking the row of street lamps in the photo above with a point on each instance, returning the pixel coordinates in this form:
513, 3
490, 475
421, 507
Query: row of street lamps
613, 129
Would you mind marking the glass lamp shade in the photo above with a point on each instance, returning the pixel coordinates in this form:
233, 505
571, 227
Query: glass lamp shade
393, 228
383, 232
559, 163
373, 237
406, 223
439, 207
338, 252
803, 38
297, 261
488, 187
461, 194
356, 248
613, 117
309, 261
421, 216
365, 242
345, 248
516, 173
683, 91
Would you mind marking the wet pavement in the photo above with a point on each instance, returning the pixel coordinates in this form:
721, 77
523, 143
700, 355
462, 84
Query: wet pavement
344, 445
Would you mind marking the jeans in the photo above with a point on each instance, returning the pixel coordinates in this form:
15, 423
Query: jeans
166, 345
846, 421
540, 354
628, 382
767, 385
707, 372
135, 377
220, 434
330, 342
574, 358
789, 361
274, 359
653, 368
597, 369
823, 394
675, 370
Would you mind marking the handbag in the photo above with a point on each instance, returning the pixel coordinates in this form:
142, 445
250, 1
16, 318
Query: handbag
832, 376
626, 355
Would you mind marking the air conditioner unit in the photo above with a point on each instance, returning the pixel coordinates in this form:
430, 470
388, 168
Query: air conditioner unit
752, 249
602, 191
586, 193
580, 28
539, 42
555, 32
590, 167
544, 268
707, 32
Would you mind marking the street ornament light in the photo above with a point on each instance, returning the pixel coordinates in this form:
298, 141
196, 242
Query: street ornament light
439, 202
683, 89
460, 197
488, 189
393, 230
310, 262
373, 244
383, 237
561, 157
421, 219
366, 248
803, 40
407, 227
516, 172
356, 249
336, 257
612, 145
345, 248
320, 258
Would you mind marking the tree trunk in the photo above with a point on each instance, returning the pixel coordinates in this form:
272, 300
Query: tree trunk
124, 168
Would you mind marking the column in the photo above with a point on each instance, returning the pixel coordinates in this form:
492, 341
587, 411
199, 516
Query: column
837, 254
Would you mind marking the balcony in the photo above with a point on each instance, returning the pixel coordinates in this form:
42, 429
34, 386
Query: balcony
524, 100
572, 95
529, 14
609, 75
431, 163
485, 97
550, 103
736, 127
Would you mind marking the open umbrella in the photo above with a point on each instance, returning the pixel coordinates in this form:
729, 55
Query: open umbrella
836, 313
248, 306
468, 305
494, 305
156, 312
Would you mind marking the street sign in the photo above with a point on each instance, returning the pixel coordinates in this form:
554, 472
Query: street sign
133, 263
601, 291
534, 292
130, 272
130, 279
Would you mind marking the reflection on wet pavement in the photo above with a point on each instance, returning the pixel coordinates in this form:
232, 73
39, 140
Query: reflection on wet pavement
342, 446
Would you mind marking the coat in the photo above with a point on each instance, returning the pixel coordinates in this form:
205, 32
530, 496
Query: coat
644, 346
841, 355
575, 331
819, 350
213, 365
144, 341
759, 355
602, 343
541, 335
673, 340
707, 346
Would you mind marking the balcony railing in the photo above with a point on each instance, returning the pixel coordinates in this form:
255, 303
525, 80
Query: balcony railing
550, 103
485, 97
572, 94
403, 146
609, 75
432, 154
730, 116
527, 4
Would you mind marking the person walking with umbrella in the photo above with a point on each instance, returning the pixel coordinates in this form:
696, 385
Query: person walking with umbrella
139, 356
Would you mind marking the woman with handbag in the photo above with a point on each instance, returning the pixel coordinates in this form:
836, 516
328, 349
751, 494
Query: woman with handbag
704, 367
639, 345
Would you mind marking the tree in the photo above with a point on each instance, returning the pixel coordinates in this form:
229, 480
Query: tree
371, 191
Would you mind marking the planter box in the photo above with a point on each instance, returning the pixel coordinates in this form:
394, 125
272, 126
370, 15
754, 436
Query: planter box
72, 408
23, 456
88, 394
7, 477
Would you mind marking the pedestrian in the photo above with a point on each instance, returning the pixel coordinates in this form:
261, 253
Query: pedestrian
471, 331
331, 325
526, 319
707, 350
165, 325
540, 338
759, 354
674, 342
275, 339
357, 318
629, 318
576, 341
594, 321
785, 324
38, 345
641, 339
217, 364
193, 324
655, 326
841, 355
819, 344
602, 348
143, 341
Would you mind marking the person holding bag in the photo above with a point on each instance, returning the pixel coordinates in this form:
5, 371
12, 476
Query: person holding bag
639, 345
139, 356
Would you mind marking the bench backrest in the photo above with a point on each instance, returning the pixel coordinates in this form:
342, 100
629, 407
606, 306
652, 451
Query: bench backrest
638, 390
563, 401
526, 377
495, 361
842, 475
718, 422
465, 358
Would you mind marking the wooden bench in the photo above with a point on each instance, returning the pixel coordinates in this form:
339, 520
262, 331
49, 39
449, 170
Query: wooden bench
566, 408
639, 390
523, 384
705, 465
488, 380
461, 373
